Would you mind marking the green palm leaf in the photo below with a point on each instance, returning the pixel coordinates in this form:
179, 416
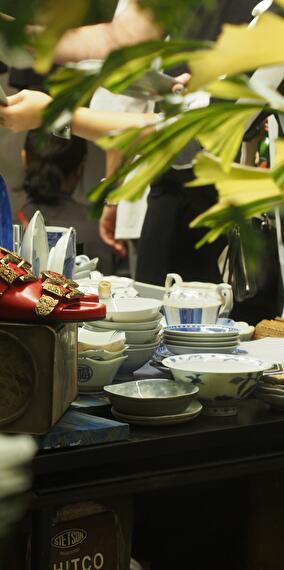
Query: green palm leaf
214, 125
243, 193
239, 49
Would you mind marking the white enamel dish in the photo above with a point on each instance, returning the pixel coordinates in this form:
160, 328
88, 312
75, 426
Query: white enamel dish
191, 412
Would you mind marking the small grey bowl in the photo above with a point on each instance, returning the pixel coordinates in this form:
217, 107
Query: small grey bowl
153, 397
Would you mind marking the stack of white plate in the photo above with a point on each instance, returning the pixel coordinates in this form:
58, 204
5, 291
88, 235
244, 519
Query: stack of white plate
270, 388
139, 319
190, 338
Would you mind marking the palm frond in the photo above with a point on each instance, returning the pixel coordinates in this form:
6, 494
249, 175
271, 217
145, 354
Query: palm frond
239, 49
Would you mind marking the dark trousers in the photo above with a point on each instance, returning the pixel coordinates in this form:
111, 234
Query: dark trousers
167, 244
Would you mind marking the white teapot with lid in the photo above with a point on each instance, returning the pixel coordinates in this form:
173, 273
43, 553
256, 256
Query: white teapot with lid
195, 302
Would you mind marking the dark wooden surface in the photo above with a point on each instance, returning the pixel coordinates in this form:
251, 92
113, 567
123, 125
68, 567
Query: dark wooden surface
208, 493
252, 441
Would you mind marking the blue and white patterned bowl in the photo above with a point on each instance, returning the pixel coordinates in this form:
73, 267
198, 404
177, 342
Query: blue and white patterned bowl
223, 379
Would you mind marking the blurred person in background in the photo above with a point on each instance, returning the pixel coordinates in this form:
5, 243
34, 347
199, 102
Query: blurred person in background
53, 169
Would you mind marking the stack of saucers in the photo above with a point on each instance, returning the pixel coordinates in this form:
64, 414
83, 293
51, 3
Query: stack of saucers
190, 338
270, 388
155, 401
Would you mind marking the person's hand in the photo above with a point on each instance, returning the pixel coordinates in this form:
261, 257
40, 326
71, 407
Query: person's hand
24, 110
107, 230
181, 81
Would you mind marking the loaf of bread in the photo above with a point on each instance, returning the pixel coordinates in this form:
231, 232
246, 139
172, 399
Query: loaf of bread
274, 327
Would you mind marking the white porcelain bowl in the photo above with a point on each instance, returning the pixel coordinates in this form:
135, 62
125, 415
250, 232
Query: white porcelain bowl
223, 379
136, 358
93, 375
101, 354
108, 340
134, 326
151, 397
133, 310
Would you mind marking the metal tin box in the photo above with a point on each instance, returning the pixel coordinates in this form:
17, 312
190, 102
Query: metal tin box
38, 375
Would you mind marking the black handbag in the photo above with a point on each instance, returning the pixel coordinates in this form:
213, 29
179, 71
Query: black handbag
248, 280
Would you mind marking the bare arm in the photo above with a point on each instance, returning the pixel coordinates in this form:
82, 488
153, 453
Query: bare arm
96, 42
90, 124
24, 112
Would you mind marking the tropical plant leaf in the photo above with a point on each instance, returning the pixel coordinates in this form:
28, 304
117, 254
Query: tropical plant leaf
72, 86
239, 49
243, 193
234, 88
156, 152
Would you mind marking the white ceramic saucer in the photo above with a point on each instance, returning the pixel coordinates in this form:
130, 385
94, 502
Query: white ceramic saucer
133, 310
34, 246
64, 254
134, 326
275, 400
191, 412
187, 350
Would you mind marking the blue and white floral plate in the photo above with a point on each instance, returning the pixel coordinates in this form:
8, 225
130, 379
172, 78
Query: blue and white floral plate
204, 331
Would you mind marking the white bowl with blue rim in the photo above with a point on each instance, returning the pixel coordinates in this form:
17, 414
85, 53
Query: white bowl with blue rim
223, 380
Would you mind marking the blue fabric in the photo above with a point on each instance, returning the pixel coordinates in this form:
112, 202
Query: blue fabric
6, 227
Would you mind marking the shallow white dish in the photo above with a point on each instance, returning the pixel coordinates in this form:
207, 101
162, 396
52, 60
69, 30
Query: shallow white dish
216, 363
246, 331
183, 350
34, 246
86, 266
110, 340
191, 412
134, 326
145, 345
101, 354
133, 310
223, 380
142, 337
137, 337
275, 400
93, 375
151, 397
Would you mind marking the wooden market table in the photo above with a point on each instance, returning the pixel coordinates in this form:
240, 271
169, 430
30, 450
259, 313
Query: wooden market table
208, 493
